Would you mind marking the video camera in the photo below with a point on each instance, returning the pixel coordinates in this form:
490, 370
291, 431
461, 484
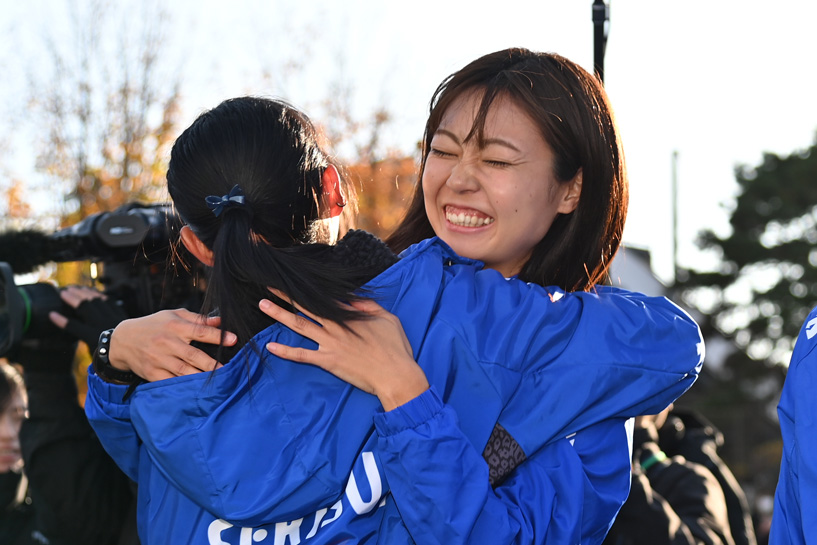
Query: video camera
133, 246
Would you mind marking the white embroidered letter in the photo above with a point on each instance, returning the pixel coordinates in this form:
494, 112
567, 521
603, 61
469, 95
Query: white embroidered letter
318, 518
373, 476
811, 328
214, 531
338, 509
291, 530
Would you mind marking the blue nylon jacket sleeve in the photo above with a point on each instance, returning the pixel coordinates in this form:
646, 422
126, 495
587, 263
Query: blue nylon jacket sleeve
568, 492
795, 500
109, 415
582, 357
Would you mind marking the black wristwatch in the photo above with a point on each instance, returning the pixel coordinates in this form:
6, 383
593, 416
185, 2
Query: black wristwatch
102, 365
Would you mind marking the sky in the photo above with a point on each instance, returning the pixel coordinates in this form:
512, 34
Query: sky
717, 82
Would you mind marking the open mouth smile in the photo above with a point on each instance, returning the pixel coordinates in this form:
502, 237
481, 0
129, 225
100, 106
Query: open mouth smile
466, 217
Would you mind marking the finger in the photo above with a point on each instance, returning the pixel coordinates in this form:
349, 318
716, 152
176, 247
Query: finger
71, 297
281, 295
192, 326
75, 295
58, 319
183, 368
187, 361
299, 308
88, 292
295, 322
213, 321
211, 335
188, 315
369, 306
197, 360
157, 375
268, 307
296, 354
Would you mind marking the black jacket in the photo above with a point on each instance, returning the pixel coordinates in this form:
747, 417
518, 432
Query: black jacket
672, 502
18, 521
692, 436
81, 496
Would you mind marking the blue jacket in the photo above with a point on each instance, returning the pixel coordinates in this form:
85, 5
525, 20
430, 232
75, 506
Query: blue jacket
795, 500
287, 451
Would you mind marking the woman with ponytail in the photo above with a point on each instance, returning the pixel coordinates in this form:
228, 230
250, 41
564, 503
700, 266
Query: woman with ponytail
278, 219
499, 416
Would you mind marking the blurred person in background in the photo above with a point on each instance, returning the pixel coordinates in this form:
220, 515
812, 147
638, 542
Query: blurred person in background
672, 501
689, 434
81, 496
18, 524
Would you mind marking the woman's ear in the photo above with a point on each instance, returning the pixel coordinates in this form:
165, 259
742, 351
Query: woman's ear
570, 199
196, 247
332, 191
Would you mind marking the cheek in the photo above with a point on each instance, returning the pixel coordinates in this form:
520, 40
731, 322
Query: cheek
432, 176
431, 188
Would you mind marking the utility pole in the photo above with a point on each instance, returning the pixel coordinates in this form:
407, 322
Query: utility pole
601, 19
675, 217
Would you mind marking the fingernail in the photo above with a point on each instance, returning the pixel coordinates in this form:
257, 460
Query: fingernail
230, 338
264, 304
271, 347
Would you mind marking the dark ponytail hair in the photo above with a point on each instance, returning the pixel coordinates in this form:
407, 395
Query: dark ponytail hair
271, 151
571, 109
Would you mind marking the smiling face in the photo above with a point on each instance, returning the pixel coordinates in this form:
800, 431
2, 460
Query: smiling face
11, 419
493, 200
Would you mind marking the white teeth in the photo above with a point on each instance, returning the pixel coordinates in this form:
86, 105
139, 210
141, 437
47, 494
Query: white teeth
467, 220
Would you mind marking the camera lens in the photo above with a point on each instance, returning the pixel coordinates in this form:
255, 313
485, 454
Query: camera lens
40, 299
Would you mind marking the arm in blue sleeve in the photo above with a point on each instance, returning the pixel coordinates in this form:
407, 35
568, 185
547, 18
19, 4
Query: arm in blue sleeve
109, 416
610, 354
795, 500
569, 491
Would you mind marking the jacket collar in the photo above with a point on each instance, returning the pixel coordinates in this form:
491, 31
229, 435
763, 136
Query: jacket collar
416, 283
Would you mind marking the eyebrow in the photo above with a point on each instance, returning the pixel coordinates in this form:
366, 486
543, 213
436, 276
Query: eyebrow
487, 142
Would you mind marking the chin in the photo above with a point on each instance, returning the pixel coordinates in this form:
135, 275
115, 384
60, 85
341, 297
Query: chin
16, 465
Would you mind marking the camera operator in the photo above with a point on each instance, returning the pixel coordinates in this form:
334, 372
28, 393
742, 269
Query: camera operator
672, 501
82, 496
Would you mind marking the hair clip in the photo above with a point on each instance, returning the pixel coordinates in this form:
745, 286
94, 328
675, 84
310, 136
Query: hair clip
217, 204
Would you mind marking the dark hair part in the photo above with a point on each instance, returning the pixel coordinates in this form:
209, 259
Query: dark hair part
10, 382
272, 152
571, 109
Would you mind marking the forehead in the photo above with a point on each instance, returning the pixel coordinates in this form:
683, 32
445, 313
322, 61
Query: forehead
504, 117
15, 402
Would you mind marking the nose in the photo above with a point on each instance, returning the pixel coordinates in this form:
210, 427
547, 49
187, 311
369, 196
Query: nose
463, 177
8, 430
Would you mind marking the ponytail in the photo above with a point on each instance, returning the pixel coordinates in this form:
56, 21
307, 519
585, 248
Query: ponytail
245, 266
